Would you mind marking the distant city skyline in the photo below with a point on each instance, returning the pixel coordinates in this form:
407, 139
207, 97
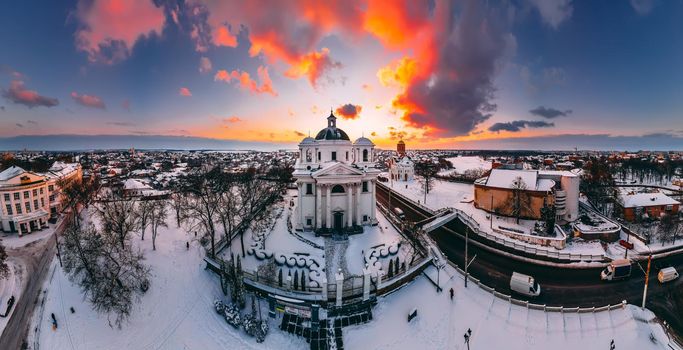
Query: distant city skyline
525, 74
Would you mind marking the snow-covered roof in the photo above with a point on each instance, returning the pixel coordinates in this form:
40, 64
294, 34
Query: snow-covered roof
504, 178
132, 184
646, 200
11, 172
363, 141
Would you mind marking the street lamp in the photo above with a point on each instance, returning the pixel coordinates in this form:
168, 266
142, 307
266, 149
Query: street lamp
467, 336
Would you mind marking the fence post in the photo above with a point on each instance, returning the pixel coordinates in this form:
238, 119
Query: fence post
366, 283
324, 289
339, 278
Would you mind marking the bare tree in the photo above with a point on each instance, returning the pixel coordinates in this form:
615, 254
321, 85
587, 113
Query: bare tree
111, 276
203, 203
4, 268
158, 218
668, 228
230, 205
178, 203
75, 194
427, 171
255, 195
143, 212
118, 217
519, 202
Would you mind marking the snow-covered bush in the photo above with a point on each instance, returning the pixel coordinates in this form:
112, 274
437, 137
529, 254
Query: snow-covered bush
232, 315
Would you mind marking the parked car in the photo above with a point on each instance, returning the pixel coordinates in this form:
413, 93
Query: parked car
667, 274
617, 269
524, 284
399, 213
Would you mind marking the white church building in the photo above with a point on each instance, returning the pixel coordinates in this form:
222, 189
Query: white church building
336, 182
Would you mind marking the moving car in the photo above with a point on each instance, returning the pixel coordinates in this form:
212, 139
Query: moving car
524, 284
617, 269
667, 274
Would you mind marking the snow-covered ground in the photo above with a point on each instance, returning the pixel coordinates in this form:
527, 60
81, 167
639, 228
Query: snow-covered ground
462, 164
495, 323
176, 313
12, 285
12, 240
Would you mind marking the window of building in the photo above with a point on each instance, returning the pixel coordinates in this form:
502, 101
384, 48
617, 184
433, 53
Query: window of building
365, 155
338, 189
669, 207
51, 188
365, 186
35, 204
309, 222
42, 202
365, 218
9, 209
28, 207
334, 155
309, 188
17, 206
16, 196
35, 192
6, 197
347, 155
52, 198
26, 194
319, 157
41, 190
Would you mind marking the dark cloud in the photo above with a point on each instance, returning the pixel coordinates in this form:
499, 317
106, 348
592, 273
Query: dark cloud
299, 133
121, 123
549, 112
32, 122
17, 93
518, 125
19, 125
456, 95
2, 108
349, 111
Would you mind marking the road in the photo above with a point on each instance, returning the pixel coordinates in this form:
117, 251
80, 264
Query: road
36, 258
560, 287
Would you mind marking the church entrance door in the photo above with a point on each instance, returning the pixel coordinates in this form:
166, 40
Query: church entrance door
338, 221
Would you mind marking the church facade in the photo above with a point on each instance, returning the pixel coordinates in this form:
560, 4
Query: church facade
336, 182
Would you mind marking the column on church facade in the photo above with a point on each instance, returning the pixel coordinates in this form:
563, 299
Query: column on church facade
349, 205
318, 206
358, 189
328, 207
374, 202
299, 205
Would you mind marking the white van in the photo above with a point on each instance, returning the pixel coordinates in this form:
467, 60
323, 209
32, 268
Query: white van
667, 274
524, 284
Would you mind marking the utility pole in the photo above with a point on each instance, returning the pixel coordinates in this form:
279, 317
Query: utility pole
491, 213
59, 253
647, 277
467, 241
628, 239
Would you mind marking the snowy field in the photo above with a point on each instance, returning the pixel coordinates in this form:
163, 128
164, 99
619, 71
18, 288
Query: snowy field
462, 164
12, 285
495, 324
444, 194
176, 313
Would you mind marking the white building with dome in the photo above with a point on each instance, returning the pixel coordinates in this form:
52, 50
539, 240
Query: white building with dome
336, 182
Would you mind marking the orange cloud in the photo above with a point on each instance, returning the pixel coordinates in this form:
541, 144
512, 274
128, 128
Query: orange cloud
88, 100
110, 28
223, 37
399, 73
349, 111
312, 65
185, 92
232, 120
245, 81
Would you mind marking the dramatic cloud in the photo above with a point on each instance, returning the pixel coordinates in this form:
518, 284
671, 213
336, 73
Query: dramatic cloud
245, 81
183, 91
448, 86
223, 37
518, 125
17, 93
349, 111
88, 100
553, 12
205, 65
109, 28
549, 113
232, 120
643, 7
313, 66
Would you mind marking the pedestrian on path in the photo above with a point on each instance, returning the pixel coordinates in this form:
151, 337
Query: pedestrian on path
187, 244
451, 291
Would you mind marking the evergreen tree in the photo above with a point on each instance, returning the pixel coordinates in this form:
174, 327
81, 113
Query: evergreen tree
303, 281
396, 265
279, 278
296, 279
390, 273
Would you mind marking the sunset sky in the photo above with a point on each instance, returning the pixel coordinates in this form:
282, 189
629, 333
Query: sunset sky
439, 74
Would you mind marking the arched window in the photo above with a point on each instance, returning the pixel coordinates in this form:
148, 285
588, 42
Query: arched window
338, 189
365, 155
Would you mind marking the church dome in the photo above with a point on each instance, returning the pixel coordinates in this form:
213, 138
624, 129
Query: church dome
308, 141
331, 132
363, 141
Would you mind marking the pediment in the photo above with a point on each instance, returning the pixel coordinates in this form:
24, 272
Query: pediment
338, 170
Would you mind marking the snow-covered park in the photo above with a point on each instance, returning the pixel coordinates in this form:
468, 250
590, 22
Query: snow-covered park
463, 163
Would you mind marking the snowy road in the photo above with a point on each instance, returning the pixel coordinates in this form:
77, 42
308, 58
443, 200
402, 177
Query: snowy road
566, 287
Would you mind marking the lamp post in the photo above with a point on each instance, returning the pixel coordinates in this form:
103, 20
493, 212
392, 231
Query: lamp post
467, 241
467, 336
